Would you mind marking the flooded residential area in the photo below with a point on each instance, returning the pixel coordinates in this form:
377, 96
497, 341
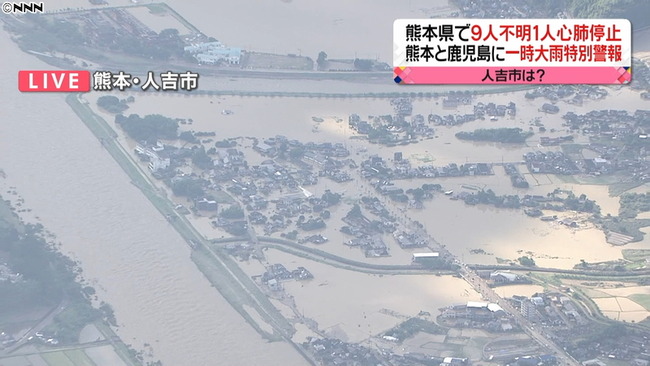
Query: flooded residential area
301, 208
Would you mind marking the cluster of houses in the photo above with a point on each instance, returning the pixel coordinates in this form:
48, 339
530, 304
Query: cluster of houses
368, 234
450, 119
331, 351
454, 99
554, 141
615, 125
495, 110
409, 240
578, 93
518, 180
540, 360
604, 125
565, 321
376, 167
391, 130
632, 348
276, 273
150, 154
500, 278
477, 314
555, 310
550, 162
325, 157
228, 169
374, 205
481, 110
402, 106
273, 146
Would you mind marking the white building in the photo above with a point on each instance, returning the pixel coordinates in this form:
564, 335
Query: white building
417, 256
155, 162
202, 47
214, 52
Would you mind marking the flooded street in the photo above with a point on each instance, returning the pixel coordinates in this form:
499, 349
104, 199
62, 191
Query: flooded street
354, 306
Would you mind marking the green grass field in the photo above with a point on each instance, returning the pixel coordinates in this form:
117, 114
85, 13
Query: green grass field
641, 299
58, 359
80, 358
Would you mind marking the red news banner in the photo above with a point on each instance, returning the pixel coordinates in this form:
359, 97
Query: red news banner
512, 51
53, 81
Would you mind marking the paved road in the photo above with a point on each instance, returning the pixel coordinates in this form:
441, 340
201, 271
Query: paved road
47, 319
66, 348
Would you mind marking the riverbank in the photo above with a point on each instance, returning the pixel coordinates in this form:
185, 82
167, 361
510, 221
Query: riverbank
225, 275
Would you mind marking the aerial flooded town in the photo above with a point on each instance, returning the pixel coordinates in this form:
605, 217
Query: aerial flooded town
285, 202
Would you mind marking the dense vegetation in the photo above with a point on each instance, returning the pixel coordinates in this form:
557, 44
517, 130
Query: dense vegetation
165, 45
226, 143
233, 212
45, 35
634, 10
188, 187
413, 326
48, 279
112, 104
526, 261
201, 159
626, 222
516, 135
631, 227
330, 198
150, 128
634, 203
557, 200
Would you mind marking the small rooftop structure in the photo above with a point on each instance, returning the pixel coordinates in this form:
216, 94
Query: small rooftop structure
417, 256
484, 305
501, 276
214, 52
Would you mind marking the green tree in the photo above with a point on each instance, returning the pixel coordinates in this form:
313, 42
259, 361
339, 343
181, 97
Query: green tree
112, 104
192, 188
188, 136
150, 128
526, 261
201, 159
232, 212
321, 61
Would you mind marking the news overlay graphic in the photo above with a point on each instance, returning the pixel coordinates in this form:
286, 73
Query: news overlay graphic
82, 81
512, 51
21, 7
169, 81
53, 81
